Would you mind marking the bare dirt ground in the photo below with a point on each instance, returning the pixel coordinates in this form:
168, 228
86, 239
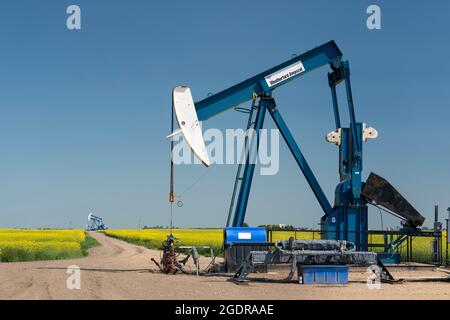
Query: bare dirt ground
118, 270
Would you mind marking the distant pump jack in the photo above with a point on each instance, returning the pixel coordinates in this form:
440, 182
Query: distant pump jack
95, 223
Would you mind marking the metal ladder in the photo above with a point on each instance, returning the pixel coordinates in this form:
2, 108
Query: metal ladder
244, 154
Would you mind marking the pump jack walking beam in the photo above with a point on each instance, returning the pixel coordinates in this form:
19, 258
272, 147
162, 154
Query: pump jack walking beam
261, 85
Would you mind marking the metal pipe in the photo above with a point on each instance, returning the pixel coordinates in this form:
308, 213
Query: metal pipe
171, 192
447, 237
446, 242
438, 239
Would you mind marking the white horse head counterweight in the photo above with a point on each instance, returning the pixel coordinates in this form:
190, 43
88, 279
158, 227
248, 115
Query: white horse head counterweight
187, 120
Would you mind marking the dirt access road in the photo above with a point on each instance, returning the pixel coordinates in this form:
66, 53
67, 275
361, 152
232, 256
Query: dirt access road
118, 270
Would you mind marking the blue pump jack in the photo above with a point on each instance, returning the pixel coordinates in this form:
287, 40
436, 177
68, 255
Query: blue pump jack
347, 218
95, 223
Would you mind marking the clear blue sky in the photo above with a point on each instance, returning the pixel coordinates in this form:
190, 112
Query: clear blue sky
84, 114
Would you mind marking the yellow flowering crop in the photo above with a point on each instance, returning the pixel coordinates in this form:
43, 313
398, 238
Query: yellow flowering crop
27, 245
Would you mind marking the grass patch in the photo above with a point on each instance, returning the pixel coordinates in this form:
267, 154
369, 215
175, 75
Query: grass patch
87, 244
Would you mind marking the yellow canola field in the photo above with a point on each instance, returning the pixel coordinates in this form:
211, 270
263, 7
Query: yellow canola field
28, 245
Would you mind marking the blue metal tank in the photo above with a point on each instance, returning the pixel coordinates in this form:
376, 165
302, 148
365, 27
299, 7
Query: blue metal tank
239, 242
235, 235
